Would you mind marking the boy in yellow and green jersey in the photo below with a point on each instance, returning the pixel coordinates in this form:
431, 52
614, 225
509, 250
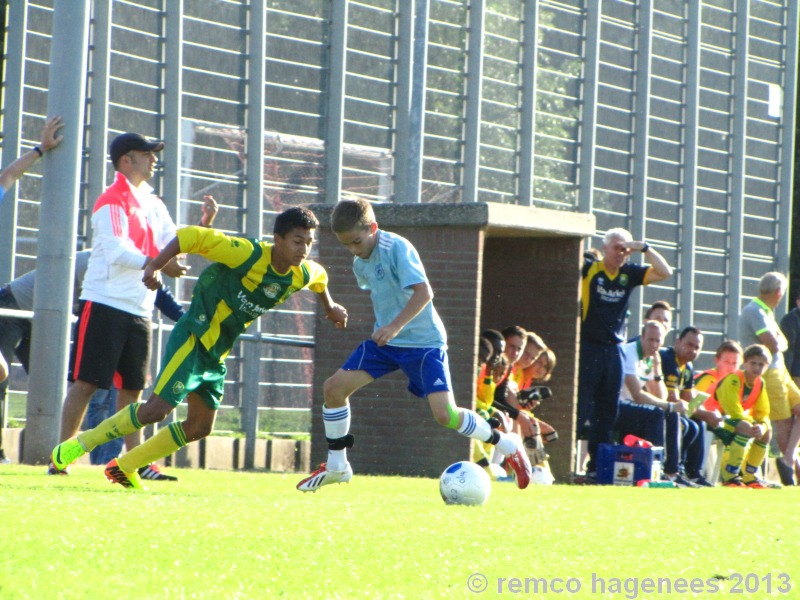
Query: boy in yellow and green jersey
743, 400
249, 278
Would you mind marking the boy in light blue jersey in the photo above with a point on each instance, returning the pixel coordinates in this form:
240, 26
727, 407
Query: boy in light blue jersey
408, 335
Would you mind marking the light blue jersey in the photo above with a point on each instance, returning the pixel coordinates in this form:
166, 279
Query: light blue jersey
390, 271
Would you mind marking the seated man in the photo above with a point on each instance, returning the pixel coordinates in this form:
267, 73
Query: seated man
742, 396
523, 371
644, 409
505, 391
676, 364
727, 359
490, 357
526, 372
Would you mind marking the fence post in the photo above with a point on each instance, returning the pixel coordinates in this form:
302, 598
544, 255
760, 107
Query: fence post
251, 372
55, 263
472, 115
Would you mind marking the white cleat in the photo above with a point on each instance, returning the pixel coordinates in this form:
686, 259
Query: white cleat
322, 477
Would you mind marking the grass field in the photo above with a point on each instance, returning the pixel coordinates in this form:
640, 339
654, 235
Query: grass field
220, 534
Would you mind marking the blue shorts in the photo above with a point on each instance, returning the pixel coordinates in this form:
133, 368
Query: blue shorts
427, 369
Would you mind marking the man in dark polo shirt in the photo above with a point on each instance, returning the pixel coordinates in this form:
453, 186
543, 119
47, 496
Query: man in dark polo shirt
606, 287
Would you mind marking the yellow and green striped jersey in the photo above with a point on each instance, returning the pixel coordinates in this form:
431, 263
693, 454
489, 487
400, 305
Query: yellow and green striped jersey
240, 286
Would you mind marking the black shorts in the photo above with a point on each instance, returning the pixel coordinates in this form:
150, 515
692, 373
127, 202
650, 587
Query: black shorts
109, 340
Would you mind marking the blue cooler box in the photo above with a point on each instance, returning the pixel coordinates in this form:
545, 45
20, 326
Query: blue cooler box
625, 465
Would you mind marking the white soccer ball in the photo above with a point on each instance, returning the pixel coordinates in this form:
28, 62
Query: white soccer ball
465, 483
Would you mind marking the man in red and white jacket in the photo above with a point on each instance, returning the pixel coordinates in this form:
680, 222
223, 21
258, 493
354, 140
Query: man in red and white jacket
130, 226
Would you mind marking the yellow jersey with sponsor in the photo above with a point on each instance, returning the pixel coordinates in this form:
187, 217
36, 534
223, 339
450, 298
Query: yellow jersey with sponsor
604, 300
240, 286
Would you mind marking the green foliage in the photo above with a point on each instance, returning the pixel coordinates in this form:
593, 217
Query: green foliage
218, 534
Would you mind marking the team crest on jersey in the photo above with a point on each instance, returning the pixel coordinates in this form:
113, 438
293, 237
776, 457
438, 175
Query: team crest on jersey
177, 387
623, 280
272, 290
379, 272
600, 281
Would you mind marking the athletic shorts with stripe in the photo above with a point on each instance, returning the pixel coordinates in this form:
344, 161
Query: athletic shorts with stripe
187, 368
109, 340
427, 369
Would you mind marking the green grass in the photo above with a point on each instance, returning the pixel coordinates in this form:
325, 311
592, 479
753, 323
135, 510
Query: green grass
220, 534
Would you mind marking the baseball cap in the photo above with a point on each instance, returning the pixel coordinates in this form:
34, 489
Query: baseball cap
126, 142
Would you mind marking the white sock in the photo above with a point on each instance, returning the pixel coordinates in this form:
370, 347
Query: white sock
337, 425
474, 426
497, 456
507, 445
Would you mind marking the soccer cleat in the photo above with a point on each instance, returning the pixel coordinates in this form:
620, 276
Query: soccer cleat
680, 481
128, 480
519, 463
734, 482
152, 471
585, 479
322, 477
785, 471
53, 470
66, 453
761, 484
701, 481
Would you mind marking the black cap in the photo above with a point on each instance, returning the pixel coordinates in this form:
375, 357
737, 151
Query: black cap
126, 142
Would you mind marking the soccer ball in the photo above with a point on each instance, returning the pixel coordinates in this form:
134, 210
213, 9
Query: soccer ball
464, 483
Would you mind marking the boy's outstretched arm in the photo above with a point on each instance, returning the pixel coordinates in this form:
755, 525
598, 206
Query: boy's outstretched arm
336, 313
422, 295
164, 261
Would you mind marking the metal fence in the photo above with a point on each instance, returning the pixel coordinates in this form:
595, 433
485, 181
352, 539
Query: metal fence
690, 151
674, 119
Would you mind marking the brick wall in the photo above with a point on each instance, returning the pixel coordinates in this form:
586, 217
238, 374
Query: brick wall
534, 282
394, 430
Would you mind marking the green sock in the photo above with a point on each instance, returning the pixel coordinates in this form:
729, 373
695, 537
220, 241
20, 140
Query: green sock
165, 442
115, 426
